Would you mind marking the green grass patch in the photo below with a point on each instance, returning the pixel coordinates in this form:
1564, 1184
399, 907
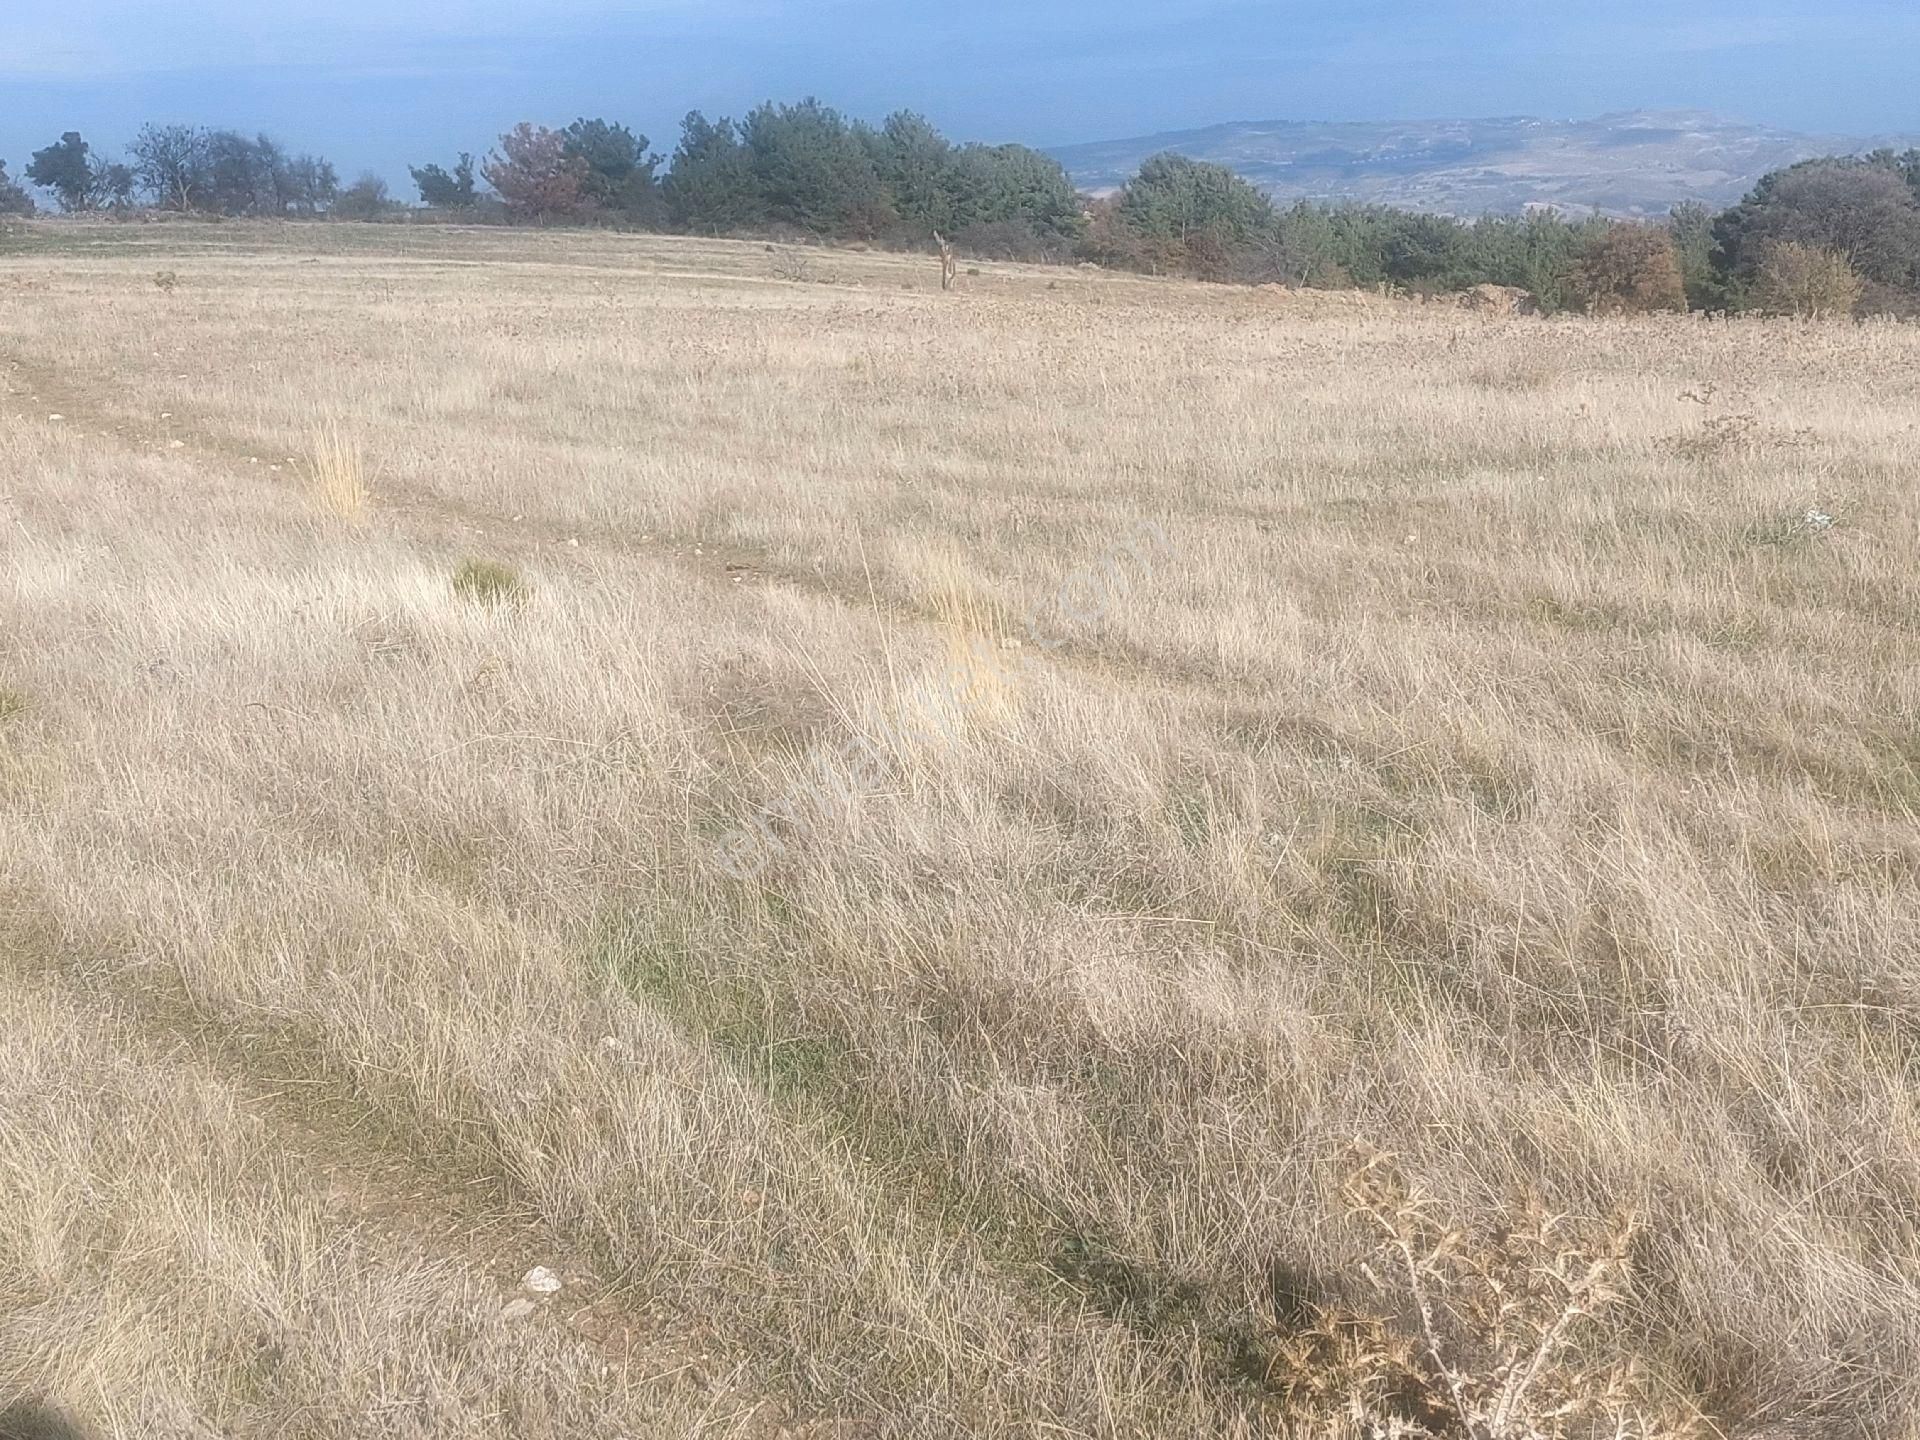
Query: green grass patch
491, 583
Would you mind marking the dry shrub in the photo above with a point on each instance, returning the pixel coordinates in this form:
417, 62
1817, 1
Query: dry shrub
336, 474
1525, 374
1497, 300
1628, 270
791, 265
1725, 431
1809, 282
1505, 1341
1015, 240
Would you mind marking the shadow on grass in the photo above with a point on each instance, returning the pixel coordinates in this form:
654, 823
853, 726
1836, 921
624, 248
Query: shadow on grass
37, 1420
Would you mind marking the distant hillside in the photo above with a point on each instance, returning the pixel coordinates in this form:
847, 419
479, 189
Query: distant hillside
1636, 163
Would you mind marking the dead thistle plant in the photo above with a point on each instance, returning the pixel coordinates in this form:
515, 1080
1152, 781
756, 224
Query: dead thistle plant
1505, 1347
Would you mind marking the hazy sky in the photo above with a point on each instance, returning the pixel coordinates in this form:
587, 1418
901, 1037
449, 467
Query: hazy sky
378, 83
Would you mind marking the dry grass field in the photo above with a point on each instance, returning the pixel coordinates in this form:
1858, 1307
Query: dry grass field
1085, 857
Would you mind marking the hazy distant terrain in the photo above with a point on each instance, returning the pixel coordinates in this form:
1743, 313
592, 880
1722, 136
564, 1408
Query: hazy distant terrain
1636, 162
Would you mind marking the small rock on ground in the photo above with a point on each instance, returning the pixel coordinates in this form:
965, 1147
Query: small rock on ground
542, 1281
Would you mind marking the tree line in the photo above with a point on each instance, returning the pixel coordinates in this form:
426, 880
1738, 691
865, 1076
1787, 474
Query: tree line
1827, 236
1832, 236
802, 168
191, 169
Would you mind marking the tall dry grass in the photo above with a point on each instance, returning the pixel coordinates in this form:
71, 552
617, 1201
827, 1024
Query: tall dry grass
336, 472
1514, 777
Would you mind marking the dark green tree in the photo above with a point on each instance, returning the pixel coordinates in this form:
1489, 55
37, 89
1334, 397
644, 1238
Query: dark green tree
1858, 209
14, 200
65, 168
1186, 214
618, 180
1360, 238
1905, 163
1535, 252
1691, 225
1005, 200
1301, 249
811, 170
443, 190
1175, 197
1011, 186
915, 163
1426, 252
711, 187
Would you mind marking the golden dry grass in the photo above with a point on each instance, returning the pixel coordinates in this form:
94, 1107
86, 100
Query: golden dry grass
336, 474
1179, 731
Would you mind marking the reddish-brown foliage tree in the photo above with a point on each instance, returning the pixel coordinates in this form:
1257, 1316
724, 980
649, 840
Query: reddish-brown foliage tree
535, 176
1628, 270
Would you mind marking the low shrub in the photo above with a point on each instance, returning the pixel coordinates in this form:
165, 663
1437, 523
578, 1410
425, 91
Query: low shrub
1808, 281
490, 583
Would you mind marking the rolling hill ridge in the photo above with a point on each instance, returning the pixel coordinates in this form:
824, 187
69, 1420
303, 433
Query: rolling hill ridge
1641, 162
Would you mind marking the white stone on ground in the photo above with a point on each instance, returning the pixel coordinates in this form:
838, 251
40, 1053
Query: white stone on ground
542, 1281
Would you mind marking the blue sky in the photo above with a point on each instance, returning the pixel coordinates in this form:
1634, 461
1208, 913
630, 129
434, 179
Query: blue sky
375, 84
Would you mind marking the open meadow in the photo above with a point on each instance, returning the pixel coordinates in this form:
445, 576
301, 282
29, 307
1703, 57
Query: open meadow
1087, 856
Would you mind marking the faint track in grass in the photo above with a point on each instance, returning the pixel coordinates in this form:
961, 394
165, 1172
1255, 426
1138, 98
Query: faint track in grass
360, 1170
